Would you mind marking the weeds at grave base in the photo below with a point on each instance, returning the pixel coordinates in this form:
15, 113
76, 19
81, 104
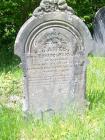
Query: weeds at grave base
89, 126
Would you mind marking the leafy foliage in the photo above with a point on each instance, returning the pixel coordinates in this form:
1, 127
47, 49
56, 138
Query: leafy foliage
13, 13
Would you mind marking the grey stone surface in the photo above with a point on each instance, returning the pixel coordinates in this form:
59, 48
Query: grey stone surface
53, 46
99, 33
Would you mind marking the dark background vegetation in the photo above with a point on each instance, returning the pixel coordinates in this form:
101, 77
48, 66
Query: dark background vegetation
13, 13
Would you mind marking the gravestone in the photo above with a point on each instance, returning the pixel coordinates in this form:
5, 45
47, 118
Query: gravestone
99, 33
53, 46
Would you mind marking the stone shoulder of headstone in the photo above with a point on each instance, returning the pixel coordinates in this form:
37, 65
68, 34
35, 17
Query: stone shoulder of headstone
99, 33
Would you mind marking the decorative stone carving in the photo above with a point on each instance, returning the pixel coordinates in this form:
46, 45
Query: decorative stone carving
53, 50
52, 6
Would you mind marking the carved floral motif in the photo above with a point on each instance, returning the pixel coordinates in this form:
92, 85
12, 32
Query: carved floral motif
51, 6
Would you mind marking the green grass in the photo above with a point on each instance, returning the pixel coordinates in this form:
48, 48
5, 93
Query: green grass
88, 126
10, 124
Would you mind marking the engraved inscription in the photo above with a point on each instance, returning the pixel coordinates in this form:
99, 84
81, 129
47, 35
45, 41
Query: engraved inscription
51, 57
54, 68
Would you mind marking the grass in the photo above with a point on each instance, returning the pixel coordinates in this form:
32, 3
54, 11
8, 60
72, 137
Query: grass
89, 126
10, 124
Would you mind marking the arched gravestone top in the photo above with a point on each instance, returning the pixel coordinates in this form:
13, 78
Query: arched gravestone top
53, 45
99, 32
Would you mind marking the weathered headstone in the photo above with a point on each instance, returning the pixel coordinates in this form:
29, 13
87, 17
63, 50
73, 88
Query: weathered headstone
53, 46
99, 33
